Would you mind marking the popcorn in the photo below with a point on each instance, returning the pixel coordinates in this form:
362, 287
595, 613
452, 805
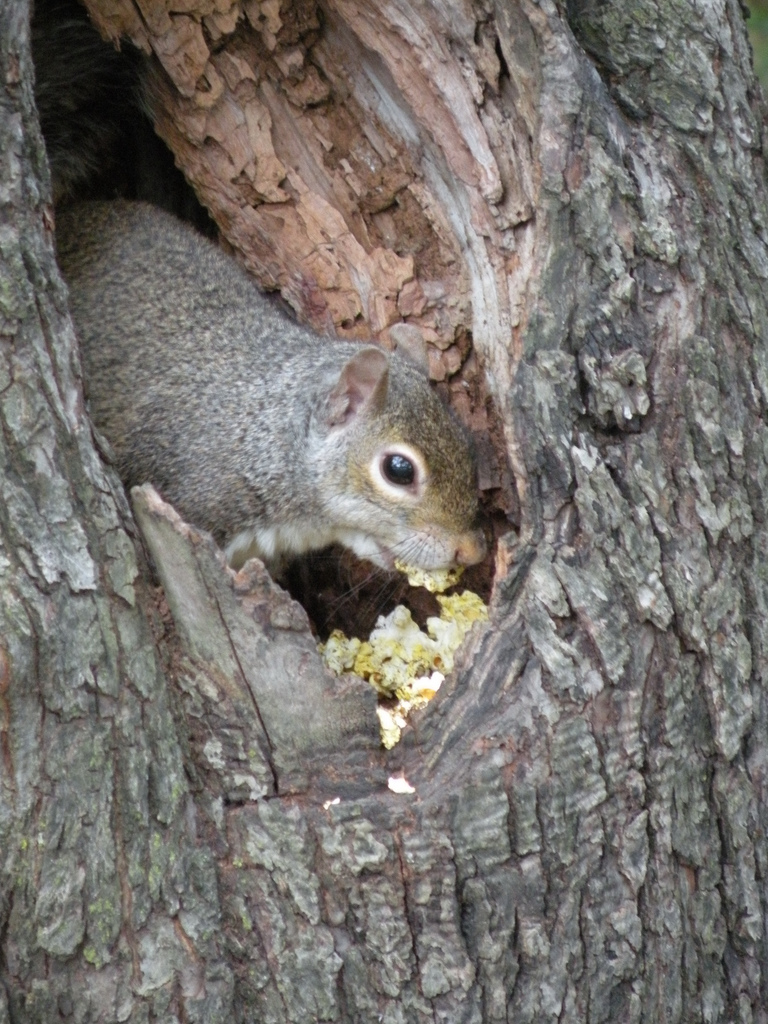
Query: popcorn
434, 580
339, 652
399, 784
402, 662
391, 725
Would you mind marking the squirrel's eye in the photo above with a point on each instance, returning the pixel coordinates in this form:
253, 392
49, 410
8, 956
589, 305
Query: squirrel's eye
398, 470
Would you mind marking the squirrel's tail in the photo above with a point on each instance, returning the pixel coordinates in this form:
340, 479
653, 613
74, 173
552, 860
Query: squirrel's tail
94, 111
87, 97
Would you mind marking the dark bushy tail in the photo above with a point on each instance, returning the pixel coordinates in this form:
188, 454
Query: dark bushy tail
87, 97
94, 117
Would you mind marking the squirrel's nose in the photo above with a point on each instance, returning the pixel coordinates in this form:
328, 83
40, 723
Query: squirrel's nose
471, 548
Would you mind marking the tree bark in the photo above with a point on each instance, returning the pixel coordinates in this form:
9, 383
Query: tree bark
209, 836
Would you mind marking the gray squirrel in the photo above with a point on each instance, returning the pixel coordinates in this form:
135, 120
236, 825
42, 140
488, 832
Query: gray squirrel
275, 440
256, 429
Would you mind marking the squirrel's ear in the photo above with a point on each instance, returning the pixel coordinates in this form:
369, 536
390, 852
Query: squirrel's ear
410, 344
362, 384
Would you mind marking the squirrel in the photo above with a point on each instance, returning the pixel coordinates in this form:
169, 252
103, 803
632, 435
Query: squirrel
275, 440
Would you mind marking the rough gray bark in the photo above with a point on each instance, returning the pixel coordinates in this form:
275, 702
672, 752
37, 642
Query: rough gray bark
587, 839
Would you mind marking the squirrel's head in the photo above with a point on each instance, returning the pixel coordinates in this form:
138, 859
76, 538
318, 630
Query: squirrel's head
397, 468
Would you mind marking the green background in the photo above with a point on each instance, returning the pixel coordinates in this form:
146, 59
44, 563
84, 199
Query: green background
758, 33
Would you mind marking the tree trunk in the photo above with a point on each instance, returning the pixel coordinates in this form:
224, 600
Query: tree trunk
211, 837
